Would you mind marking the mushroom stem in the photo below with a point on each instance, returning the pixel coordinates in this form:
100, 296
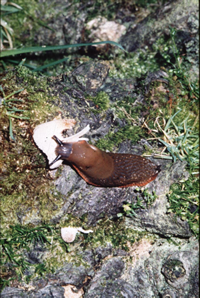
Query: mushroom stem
84, 231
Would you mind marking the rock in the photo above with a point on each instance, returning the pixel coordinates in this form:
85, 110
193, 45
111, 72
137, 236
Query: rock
150, 276
48, 291
102, 29
106, 282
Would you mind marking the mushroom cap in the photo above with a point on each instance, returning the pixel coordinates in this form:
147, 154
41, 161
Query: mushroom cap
68, 234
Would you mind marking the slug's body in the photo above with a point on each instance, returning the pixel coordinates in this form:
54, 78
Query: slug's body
104, 169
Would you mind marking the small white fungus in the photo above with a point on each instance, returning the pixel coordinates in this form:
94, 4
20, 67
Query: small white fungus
68, 234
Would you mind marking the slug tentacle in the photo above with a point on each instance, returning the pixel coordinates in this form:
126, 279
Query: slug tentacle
63, 150
56, 159
58, 141
104, 169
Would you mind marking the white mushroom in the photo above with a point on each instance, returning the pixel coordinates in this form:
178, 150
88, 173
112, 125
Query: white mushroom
44, 132
68, 234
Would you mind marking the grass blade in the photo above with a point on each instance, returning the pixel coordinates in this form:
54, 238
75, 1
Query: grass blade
10, 130
6, 53
50, 64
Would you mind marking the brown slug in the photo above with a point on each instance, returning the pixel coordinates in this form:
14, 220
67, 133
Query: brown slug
106, 169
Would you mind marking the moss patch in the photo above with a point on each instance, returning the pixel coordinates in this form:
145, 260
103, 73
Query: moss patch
101, 101
25, 184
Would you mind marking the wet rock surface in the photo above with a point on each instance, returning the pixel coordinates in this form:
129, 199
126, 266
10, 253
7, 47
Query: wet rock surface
159, 268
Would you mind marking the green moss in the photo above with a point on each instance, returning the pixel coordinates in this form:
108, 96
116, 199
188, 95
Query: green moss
181, 133
133, 65
184, 202
101, 102
144, 200
113, 139
22, 165
29, 21
18, 239
110, 232
175, 109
